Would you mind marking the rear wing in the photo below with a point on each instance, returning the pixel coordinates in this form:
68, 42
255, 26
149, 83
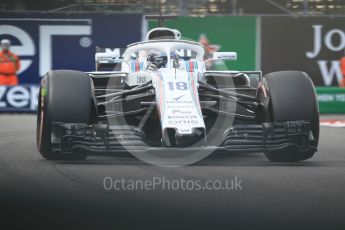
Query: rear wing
108, 59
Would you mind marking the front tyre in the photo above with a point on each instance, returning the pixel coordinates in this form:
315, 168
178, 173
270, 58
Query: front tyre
65, 96
292, 97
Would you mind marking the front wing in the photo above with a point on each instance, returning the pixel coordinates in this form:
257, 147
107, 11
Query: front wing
105, 139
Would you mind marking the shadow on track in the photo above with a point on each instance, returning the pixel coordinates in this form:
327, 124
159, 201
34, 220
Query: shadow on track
216, 159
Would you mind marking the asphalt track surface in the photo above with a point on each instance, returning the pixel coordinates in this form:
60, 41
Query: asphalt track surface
70, 195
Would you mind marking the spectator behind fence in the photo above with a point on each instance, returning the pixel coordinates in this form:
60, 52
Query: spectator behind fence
9, 64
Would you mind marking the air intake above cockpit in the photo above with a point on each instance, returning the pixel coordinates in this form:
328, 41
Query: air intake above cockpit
163, 33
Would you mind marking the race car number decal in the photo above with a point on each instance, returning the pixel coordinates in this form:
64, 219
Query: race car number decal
180, 85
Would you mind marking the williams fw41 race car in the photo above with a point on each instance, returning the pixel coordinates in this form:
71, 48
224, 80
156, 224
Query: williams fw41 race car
161, 95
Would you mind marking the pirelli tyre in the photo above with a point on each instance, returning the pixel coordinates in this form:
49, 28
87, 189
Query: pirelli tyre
64, 96
292, 97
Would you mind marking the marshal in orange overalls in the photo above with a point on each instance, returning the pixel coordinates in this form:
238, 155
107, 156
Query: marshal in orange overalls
342, 66
9, 65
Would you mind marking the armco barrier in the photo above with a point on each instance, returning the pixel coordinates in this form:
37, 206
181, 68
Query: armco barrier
331, 99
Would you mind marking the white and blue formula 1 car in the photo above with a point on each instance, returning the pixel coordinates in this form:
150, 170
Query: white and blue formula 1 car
161, 94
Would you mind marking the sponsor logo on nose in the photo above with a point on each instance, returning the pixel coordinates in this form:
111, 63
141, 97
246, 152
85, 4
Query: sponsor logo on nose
178, 98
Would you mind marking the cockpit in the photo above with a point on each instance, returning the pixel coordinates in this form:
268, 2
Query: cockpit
153, 55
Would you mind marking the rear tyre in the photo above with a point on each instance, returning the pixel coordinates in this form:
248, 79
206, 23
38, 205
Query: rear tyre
65, 96
292, 97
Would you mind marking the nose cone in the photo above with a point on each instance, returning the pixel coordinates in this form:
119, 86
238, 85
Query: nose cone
196, 138
188, 137
179, 108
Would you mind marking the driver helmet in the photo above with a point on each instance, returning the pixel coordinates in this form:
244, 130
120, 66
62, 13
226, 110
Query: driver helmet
156, 60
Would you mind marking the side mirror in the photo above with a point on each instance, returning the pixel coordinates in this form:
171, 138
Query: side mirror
231, 56
108, 59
